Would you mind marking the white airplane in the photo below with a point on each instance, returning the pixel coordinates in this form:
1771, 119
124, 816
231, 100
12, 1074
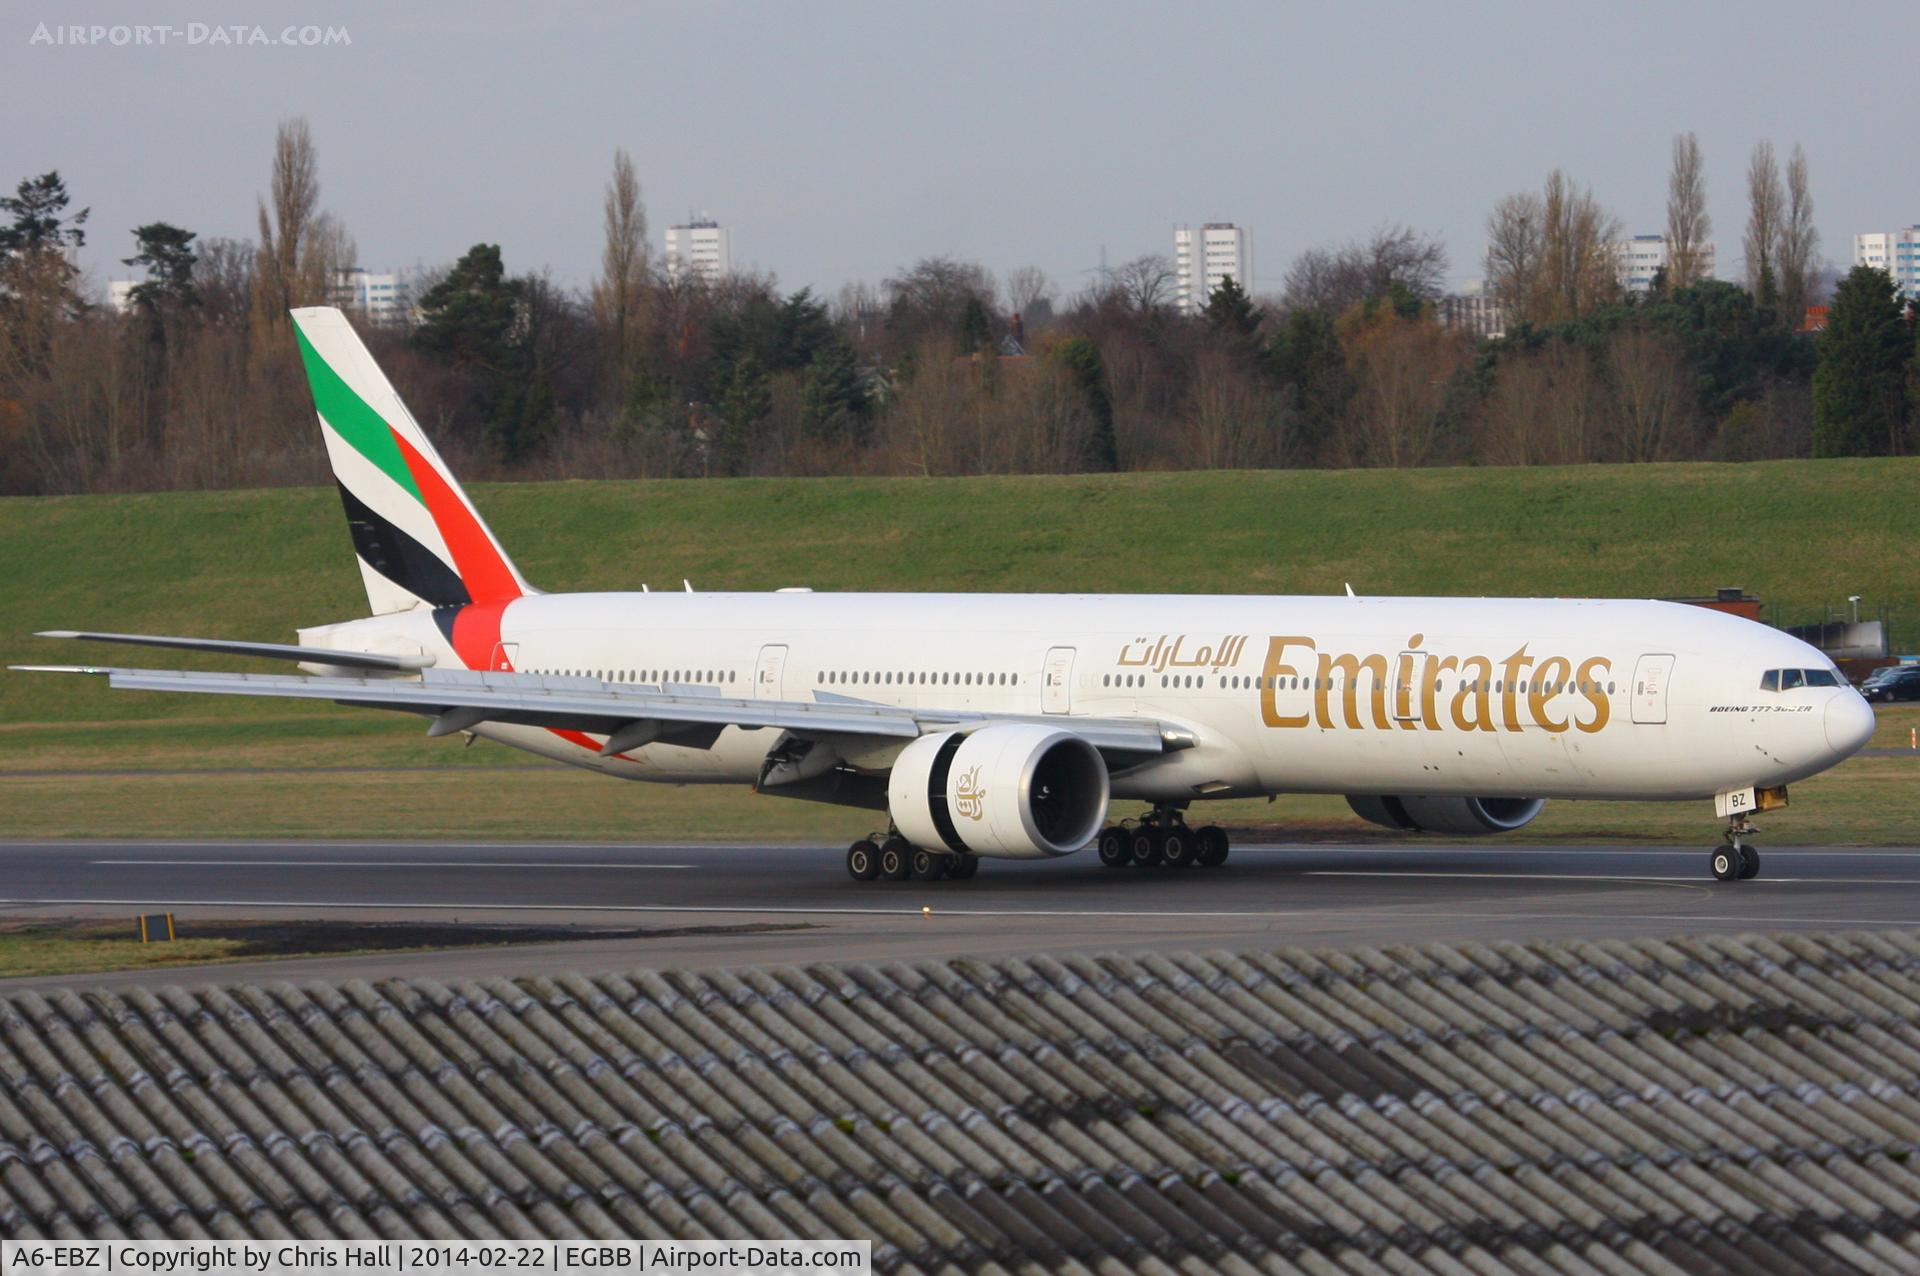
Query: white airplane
1003, 725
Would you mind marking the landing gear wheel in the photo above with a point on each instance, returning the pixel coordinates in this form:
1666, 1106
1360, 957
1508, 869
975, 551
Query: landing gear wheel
1113, 847
1179, 847
1749, 863
927, 866
1145, 846
961, 867
1213, 846
1724, 863
863, 861
896, 859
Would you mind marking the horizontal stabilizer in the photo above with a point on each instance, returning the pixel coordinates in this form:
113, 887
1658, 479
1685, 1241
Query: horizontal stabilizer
264, 650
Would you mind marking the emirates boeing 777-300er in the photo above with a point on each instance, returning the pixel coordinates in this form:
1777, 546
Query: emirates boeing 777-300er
1005, 725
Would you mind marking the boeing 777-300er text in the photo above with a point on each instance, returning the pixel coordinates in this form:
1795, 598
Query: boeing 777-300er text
1004, 725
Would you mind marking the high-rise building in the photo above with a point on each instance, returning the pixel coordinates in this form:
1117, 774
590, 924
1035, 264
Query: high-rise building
1638, 260
1203, 259
702, 248
385, 298
1895, 251
120, 295
1473, 310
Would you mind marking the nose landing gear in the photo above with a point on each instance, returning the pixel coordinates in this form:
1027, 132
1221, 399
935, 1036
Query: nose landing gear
1735, 861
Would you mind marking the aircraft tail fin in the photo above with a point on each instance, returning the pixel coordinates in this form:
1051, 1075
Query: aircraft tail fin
419, 539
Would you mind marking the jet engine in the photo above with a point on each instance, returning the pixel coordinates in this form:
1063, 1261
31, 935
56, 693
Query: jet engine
1459, 816
1008, 791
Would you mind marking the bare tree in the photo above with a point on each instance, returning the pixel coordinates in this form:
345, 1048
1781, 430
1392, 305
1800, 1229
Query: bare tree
328, 250
284, 227
1766, 200
1652, 398
1031, 295
1688, 225
1516, 255
1332, 279
618, 293
1577, 251
1234, 421
1799, 242
1401, 370
1146, 283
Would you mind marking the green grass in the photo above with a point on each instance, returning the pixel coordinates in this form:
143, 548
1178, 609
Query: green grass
256, 564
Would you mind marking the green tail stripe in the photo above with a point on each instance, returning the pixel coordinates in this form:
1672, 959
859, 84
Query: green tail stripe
352, 419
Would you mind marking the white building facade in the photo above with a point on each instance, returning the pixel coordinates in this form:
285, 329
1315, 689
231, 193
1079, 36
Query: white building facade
702, 249
1638, 260
1895, 251
1206, 257
385, 298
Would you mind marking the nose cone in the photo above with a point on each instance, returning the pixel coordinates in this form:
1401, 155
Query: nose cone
1849, 722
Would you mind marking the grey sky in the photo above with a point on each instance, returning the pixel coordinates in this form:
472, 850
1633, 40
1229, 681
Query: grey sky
841, 141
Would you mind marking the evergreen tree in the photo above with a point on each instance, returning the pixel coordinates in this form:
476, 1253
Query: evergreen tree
167, 254
1230, 311
38, 207
833, 404
37, 274
1082, 358
1858, 384
1305, 355
743, 412
976, 329
471, 320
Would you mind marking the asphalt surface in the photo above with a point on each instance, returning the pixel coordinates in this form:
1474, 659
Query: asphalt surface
685, 897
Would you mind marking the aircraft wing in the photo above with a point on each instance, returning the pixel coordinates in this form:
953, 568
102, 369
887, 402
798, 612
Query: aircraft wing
629, 715
265, 650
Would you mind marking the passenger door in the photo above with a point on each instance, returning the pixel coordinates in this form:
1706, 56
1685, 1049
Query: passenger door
769, 672
1056, 681
1650, 678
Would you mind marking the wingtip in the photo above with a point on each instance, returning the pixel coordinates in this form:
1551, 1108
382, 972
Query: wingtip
58, 669
57, 633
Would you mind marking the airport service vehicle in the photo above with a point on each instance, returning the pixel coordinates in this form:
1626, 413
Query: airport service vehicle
1005, 725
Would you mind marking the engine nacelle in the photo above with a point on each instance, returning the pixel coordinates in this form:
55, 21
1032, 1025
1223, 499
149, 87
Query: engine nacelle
1460, 816
1009, 791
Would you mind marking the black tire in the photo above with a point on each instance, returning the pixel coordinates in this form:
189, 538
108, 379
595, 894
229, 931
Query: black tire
962, 867
1749, 863
1115, 852
927, 866
863, 861
896, 859
1724, 864
1213, 846
1144, 846
1179, 847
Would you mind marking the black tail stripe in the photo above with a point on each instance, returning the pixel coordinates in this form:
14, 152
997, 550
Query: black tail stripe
399, 557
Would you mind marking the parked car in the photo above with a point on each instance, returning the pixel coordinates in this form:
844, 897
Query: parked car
1894, 682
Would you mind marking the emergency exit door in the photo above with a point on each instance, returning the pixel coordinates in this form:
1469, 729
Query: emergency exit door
1650, 678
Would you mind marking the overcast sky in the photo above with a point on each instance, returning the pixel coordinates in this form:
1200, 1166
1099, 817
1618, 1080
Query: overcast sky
841, 141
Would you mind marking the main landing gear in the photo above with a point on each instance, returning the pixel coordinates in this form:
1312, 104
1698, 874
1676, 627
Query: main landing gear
894, 859
1162, 837
1735, 861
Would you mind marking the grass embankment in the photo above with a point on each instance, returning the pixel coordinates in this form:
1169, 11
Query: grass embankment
255, 564
69, 947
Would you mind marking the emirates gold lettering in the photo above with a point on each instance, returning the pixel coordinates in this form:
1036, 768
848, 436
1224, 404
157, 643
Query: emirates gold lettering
1300, 685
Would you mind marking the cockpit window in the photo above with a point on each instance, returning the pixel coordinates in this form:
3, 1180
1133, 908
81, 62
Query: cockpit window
1794, 679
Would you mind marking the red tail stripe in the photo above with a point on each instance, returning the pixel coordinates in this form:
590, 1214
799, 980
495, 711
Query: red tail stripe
482, 568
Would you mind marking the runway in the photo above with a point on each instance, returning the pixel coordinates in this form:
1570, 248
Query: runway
686, 896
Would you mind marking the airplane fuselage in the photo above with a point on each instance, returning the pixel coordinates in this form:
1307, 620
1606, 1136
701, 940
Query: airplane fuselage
1436, 696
